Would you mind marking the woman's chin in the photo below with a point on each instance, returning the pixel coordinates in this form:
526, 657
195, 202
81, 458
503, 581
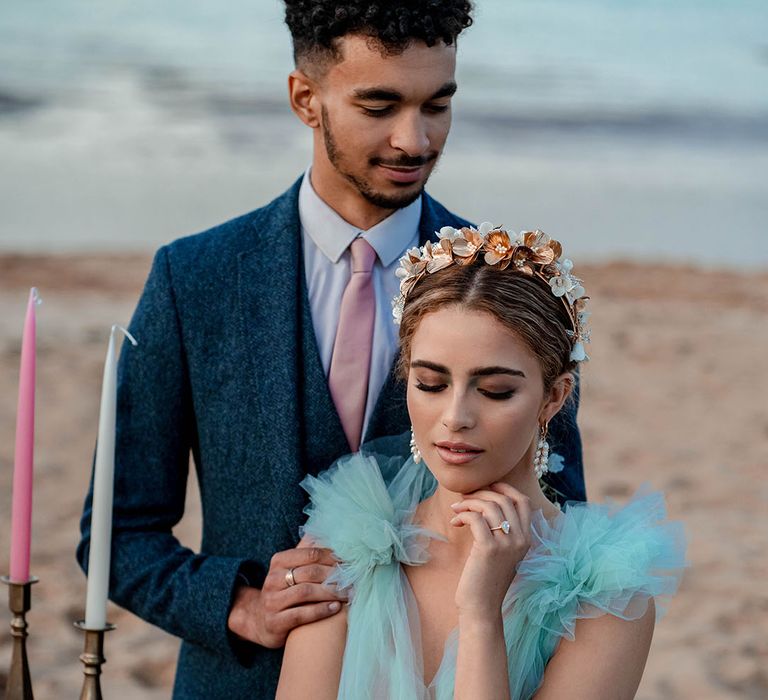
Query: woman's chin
462, 483
466, 478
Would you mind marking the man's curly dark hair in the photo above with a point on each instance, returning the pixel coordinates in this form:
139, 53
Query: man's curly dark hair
392, 24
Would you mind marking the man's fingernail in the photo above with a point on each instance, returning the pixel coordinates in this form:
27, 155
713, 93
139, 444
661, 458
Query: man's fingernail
335, 607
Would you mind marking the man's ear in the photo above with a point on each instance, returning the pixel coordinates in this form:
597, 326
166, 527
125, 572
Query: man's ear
558, 394
302, 93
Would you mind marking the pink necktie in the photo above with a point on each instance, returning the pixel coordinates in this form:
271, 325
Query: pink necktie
351, 359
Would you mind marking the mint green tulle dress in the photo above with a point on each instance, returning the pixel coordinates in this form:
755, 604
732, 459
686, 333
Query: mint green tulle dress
589, 560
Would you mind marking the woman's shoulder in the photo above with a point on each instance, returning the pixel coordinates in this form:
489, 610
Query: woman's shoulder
362, 509
595, 558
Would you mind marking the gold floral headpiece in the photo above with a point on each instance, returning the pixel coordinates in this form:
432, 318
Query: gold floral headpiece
531, 253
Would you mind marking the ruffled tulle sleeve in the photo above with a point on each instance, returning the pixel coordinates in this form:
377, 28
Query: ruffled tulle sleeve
367, 522
591, 560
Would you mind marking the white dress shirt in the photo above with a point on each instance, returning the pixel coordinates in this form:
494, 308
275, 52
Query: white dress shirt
326, 238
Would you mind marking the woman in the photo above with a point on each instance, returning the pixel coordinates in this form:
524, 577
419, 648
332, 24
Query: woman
465, 579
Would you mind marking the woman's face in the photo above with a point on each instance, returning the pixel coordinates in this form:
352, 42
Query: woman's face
475, 396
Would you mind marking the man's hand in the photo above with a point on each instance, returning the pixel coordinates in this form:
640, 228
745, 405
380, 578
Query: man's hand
266, 616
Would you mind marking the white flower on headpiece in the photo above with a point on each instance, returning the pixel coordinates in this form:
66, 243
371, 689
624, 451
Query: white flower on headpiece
560, 285
564, 284
485, 228
448, 233
398, 305
579, 354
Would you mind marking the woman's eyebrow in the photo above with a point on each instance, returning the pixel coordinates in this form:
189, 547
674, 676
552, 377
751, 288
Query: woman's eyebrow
426, 364
487, 371
478, 372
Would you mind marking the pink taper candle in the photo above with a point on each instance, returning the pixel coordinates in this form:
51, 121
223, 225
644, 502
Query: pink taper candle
21, 513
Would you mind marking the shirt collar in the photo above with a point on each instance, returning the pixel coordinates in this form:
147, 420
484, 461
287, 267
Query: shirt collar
333, 235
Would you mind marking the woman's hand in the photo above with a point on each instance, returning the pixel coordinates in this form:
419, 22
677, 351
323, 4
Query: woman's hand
490, 567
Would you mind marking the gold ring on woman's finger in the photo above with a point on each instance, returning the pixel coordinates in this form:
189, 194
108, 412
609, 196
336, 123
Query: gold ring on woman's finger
289, 579
504, 527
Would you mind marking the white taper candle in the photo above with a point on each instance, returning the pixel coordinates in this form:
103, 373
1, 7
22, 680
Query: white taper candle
103, 493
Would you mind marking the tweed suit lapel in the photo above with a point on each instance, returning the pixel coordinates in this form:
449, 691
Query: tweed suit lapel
269, 293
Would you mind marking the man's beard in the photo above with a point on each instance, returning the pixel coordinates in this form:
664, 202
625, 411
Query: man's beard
364, 188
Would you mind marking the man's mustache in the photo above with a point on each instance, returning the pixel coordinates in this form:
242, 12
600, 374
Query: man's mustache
406, 161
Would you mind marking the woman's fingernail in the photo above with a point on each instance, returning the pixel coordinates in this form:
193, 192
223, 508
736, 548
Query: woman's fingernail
456, 505
335, 607
454, 520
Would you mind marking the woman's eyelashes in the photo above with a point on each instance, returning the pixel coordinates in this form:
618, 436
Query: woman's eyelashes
494, 395
497, 395
429, 387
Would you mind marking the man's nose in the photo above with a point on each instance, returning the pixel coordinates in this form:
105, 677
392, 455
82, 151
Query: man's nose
410, 134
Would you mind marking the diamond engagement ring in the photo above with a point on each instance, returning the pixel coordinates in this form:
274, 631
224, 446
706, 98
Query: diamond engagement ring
289, 579
504, 527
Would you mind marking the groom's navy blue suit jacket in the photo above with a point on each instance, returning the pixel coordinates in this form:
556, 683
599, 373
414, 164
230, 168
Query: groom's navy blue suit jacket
227, 368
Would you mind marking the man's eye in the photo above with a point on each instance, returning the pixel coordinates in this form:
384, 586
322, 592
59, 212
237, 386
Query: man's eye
377, 112
430, 387
437, 109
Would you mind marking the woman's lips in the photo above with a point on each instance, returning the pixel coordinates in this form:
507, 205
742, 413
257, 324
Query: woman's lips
457, 453
403, 174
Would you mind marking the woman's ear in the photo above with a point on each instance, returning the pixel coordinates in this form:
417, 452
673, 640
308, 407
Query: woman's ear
302, 93
558, 394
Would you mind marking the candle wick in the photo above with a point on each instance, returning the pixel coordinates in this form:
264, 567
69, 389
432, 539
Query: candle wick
125, 333
36, 296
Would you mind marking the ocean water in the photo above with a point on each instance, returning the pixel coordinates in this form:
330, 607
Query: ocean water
635, 129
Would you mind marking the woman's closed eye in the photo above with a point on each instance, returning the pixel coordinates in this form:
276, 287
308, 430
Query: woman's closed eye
423, 386
497, 395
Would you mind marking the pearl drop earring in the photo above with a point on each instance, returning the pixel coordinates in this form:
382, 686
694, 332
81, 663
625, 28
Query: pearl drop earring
414, 449
541, 460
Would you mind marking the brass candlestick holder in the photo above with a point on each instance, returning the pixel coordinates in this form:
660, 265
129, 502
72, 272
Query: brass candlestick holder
92, 658
19, 686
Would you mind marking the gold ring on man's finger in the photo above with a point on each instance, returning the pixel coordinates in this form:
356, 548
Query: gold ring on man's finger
289, 578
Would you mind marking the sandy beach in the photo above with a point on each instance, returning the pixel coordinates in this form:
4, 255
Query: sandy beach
675, 396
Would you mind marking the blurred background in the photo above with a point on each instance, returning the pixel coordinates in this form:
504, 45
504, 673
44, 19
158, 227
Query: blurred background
636, 132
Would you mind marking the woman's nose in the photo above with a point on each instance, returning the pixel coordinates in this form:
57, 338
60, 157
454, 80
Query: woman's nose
458, 415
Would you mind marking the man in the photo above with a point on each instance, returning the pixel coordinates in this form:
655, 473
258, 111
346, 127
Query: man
266, 348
